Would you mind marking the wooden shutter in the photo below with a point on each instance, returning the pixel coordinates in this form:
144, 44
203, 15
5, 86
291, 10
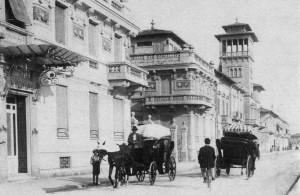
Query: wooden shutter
118, 119
62, 111
93, 41
93, 107
60, 24
118, 48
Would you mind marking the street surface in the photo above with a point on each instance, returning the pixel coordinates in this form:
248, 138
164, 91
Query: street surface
275, 174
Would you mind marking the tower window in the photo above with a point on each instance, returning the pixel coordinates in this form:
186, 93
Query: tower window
223, 46
245, 45
231, 74
240, 45
240, 72
235, 72
234, 46
228, 46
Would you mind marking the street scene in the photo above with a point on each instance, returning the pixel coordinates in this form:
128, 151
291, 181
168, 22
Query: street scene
149, 97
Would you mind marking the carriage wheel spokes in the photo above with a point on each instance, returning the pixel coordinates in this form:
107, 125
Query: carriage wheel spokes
172, 168
249, 166
140, 175
152, 172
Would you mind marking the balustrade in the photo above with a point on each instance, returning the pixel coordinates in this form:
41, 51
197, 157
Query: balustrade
178, 99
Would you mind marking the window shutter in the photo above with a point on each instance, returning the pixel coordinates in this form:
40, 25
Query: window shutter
62, 111
59, 24
93, 107
93, 40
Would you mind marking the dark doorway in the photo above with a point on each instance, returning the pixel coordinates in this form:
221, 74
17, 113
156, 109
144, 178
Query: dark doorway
22, 135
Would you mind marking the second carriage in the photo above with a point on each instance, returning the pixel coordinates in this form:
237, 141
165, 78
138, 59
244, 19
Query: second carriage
237, 149
156, 155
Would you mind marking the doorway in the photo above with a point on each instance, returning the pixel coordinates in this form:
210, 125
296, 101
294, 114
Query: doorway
16, 134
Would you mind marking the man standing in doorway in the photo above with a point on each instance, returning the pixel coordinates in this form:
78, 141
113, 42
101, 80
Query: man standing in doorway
206, 158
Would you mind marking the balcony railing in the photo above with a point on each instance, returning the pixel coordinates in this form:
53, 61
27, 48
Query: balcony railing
254, 122
123, 71
225, 119
236, 54
179, 99
171, 58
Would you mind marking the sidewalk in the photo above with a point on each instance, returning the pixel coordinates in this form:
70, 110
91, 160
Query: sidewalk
38, 186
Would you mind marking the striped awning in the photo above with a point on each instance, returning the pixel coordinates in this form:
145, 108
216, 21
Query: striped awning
238, 128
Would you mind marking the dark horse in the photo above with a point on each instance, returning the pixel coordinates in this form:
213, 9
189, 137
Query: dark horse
118, 160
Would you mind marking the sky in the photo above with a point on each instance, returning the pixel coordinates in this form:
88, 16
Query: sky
275, 22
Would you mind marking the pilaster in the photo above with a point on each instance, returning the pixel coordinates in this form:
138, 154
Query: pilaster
3, 132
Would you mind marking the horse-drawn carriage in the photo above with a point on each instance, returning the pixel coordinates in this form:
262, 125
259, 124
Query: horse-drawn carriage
157, 153
155, 157
237, 149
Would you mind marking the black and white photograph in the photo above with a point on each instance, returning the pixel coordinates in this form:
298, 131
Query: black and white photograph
149, 97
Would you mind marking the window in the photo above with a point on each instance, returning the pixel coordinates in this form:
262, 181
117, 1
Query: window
228, 46
93, 39
231, 73
223, 46
93, 64
118, 48
240, 45
144, 44
235, 72
118, 105
240, 72
62, 112
60, 26
245, 48
93, 107
234, 46
15, 13
65, 162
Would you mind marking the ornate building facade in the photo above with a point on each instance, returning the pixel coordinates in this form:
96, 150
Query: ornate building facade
236, 62
181, 91
65, 80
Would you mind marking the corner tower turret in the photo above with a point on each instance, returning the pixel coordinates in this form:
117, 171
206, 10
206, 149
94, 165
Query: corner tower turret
236, 53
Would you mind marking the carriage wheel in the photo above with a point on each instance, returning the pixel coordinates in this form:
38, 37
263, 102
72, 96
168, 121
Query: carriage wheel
140, 175
172, 168
152, 172
249, 166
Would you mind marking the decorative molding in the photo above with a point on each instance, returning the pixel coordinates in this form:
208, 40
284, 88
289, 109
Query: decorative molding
41, 14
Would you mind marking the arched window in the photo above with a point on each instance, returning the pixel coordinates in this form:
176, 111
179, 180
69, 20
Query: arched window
240, 72
231, 74
235, 72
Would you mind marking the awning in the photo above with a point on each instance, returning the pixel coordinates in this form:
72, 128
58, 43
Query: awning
45, 54
19, 10
239, 130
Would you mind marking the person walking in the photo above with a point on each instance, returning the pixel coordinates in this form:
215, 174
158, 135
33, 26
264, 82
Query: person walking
206, 159
95, 162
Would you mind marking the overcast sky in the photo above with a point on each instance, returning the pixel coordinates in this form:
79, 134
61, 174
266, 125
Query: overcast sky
275, 22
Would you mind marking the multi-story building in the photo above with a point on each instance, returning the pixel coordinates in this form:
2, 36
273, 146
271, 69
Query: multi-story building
274, 134
229, 103
181, 90
65, 79
236, 62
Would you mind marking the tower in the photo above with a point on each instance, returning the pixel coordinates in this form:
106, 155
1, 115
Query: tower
236, 53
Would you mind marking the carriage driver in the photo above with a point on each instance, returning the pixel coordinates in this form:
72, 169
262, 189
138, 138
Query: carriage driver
135, 143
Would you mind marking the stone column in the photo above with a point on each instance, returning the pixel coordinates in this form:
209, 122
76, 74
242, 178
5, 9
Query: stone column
173, 128
184, 145
3, 124
191, 137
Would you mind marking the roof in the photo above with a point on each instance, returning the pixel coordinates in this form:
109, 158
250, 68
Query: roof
248, 28
221, 75
258, 87
252, 34
156, 32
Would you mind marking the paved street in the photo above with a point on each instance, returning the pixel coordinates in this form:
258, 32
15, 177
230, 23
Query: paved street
275, 173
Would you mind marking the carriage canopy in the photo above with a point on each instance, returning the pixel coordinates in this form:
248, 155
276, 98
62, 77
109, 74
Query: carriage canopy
239, 130
155, 131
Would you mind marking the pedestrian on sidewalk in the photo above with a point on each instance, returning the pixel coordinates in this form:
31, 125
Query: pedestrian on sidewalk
206, 159
95, 162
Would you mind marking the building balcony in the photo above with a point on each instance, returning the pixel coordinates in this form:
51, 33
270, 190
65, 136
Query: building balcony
236, 54
123, 74
188, 59
225, 119
252, 122
179, 100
